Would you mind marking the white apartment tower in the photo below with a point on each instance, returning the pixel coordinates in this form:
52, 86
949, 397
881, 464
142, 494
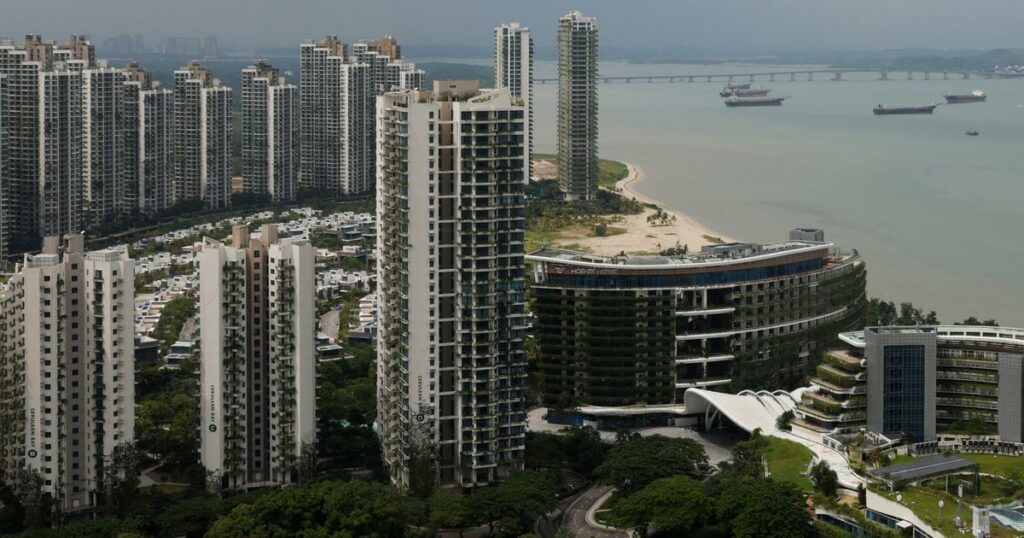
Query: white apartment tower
82, 139
268, 124
148, 118
67, 372
338, 92
103, 142
202, 129
257, 315
513, 69
451, 365
41, 172
577, 106
336, 124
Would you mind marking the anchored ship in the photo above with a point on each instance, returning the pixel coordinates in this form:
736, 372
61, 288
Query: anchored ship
755, 92
730, 87
754, 101
921, 109
977, 96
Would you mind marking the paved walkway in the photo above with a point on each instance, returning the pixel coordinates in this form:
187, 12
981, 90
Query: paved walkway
717, 444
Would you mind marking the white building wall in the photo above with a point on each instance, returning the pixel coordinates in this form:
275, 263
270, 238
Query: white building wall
74, 359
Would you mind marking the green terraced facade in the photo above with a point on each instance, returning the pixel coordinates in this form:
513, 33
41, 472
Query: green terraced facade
619, 331
979, 372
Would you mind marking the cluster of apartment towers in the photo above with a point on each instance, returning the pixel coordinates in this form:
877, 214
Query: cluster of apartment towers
449, 167
84, 144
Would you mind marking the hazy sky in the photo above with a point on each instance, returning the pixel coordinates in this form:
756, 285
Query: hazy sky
717, 24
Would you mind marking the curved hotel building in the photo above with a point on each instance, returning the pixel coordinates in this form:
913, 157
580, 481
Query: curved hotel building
629, 330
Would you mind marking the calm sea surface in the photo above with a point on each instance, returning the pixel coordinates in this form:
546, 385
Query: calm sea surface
938, 216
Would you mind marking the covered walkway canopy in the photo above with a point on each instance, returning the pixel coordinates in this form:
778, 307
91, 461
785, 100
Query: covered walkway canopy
747, 410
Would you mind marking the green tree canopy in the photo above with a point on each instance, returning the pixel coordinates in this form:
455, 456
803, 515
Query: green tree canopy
324, 509
748, 456
676, 505
448, 510
825, 479
635, 463
512, 507
762, 508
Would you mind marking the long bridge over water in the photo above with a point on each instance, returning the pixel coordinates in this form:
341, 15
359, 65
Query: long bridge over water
791, 75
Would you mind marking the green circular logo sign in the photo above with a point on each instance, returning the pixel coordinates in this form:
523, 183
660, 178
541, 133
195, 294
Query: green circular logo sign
213, 427
32, 453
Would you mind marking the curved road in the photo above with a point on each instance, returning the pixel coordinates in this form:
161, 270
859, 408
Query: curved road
576, 515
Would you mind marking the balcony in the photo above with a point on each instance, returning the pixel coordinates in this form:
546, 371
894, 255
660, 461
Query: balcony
704, 360
712, 311
703, 383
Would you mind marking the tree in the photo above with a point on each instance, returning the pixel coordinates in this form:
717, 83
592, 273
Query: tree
189, 517
167, 415
632, 465
675, 504
544, 452
862, 495
763, 508
484, 507
527, 495
784, 420
584, 448
975, 321
323, 509
173, 316
880, 313
625, 436
825, 479
121, 478
448, 510
748, 456
36, 505
513, 507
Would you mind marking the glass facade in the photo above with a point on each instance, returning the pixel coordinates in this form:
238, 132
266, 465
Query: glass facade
904, 388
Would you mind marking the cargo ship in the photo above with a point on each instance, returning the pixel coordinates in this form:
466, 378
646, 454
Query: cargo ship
921, 109
755, 92
754, 101
730, 87
977, 96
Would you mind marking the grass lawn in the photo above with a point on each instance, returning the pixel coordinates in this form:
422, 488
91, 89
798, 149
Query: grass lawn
924, 500
608, 172
787, 460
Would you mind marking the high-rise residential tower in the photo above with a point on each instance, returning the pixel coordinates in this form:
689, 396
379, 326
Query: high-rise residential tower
577, 106
67, 373
202, 129
148, 145
74, 153
336, 128
338, 92
268, 124
41, 178
258, 358
451, 365
103, 140
513, 69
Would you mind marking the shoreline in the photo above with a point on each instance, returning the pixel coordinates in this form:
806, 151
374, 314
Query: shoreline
683, 221
654, 230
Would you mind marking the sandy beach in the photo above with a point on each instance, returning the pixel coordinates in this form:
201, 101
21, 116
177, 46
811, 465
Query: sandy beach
633, 233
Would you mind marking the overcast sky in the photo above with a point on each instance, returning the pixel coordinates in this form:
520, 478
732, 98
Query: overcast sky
712, 24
